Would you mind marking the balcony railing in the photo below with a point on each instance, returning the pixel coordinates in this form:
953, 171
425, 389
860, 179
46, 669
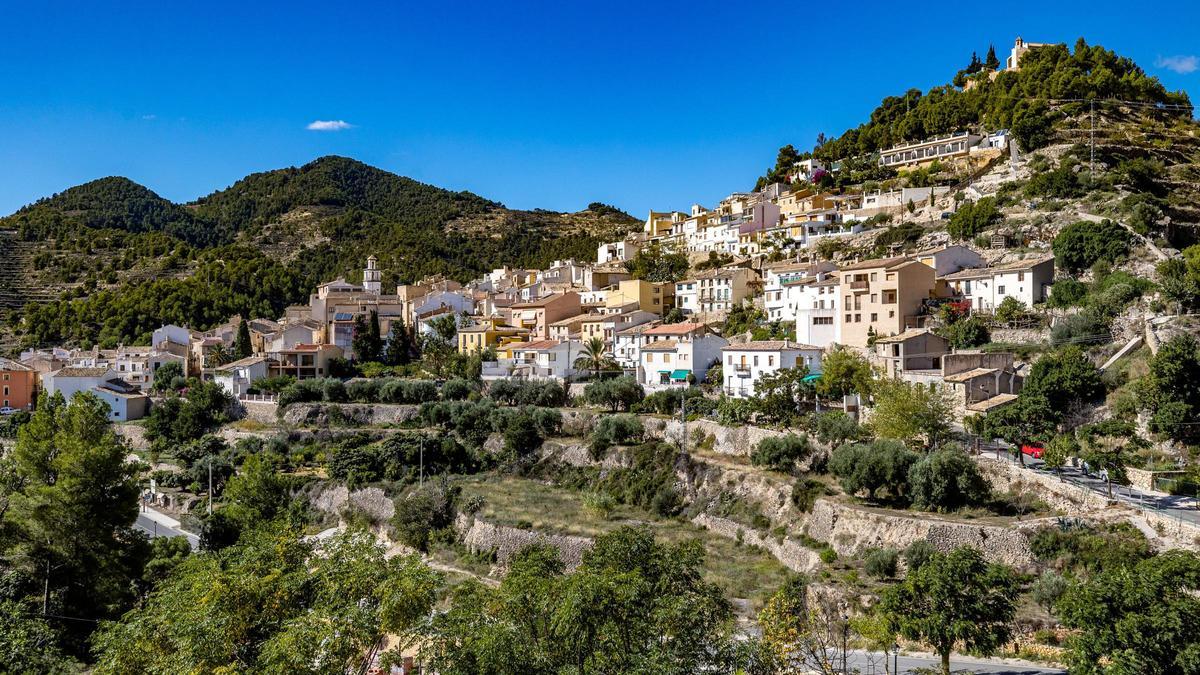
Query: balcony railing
742, 369
859, 285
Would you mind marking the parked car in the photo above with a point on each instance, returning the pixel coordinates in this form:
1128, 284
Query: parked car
947, 215
7, 410
1034, 450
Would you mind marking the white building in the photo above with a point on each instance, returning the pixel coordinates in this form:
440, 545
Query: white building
671, 353
619, 251
985, 288
627, 345
744, 365
817, 310
537, 360
783, 287
237, 377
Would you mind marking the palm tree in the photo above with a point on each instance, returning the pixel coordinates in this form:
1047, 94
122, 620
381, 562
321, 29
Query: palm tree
219, 355
593, 357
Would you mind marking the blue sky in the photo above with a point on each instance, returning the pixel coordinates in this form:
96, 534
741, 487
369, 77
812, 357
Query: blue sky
535, 104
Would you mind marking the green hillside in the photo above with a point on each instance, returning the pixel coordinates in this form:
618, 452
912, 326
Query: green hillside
126, 260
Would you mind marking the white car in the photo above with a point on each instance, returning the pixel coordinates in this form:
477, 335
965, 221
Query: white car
7, 410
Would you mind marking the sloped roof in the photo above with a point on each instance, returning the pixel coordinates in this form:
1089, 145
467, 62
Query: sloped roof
768, 346
968, 375
660, 346
886, 263
906, 335
81, 372
685, 328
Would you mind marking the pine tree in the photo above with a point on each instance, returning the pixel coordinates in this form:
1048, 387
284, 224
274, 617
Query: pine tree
975, 65
991, 62
241, 346
358, 343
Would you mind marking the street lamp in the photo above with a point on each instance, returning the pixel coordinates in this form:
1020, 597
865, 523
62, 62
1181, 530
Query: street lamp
895, 659
845, 637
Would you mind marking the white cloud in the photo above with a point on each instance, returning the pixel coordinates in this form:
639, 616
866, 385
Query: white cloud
150, 117
1180, 64
329, 125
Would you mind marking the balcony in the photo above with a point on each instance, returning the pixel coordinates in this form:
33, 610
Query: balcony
859, 285
742, 370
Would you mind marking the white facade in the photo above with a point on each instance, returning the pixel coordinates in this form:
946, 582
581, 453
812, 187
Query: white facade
667, 361
70, 381
1027, 281
816, 312
950, 259
744, 365
237, 377
540, 360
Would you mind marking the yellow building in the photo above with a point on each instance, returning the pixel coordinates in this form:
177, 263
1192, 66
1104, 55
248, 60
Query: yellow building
648, 295
881, 294
662, 224
487, 333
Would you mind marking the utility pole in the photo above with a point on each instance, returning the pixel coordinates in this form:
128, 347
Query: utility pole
210, 492
683, 419
421, 470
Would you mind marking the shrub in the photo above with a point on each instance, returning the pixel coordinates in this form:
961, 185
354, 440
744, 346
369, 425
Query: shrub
828, 555
516, 392
805, 492
946, 480
1010, 310
966, 333
917, 554
333, 391
618, 393
1048, 588
363, 391
1080, 245
599, 504
781, 453
1084, 328
883, 464
835, 428
972, 218
396, 390
881, 562
457, 389
422, 513
615, 430
1067, 293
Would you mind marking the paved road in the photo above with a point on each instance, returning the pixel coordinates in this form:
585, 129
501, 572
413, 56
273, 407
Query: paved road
156, 529
869, 663
1174, 506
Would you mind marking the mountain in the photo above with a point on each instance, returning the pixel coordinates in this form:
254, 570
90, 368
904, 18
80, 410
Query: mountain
110, 260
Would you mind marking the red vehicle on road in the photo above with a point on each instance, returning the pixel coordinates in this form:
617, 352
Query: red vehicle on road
1034, 450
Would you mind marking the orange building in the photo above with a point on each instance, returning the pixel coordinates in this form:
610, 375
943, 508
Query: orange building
18, 385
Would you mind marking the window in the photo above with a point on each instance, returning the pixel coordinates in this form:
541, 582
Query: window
891, 313
874, 298
649, 357
1020, 276
756, 360
730, 362
1000, 290
847, 318
6, 390
666, 358
874, 276
858, 318
874, 316
822, 320
770, 360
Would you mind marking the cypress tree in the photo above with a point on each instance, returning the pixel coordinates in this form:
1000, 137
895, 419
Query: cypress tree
241, 346
990, 62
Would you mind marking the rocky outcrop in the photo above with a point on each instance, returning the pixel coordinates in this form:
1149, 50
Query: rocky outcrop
263, 412
576, 453
1004, 476
323, 415
577, 422
792, 554
480, 536
133, 434
851, 530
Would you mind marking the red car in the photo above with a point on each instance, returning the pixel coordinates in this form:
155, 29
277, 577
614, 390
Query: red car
1034, 450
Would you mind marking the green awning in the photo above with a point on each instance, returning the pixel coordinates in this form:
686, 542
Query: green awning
664, 372
680, 374
811, 377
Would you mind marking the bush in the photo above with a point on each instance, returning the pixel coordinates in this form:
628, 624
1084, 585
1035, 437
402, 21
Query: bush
881, 465
670, 401
1048, 588
1084, 328
966, 333
615, 430
972, 218
805, 492
947, 480
618, 393
410, 392
424, 512
881, 562
835, 428
917, 554
780, 453
1080, 245
457, 389
516, 392
1067, 293
1010, 311
828, 555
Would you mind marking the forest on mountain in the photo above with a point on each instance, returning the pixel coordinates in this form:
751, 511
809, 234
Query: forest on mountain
129, 261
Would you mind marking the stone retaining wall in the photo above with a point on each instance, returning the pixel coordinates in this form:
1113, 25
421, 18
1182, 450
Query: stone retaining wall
789, 552
347, 414
851, 530
480, 536
263, 412
133, 434
1004, 476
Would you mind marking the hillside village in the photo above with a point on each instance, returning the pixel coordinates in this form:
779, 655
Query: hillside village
958, 342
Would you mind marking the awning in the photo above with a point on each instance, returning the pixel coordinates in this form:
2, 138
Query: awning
811, 377
680, 374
